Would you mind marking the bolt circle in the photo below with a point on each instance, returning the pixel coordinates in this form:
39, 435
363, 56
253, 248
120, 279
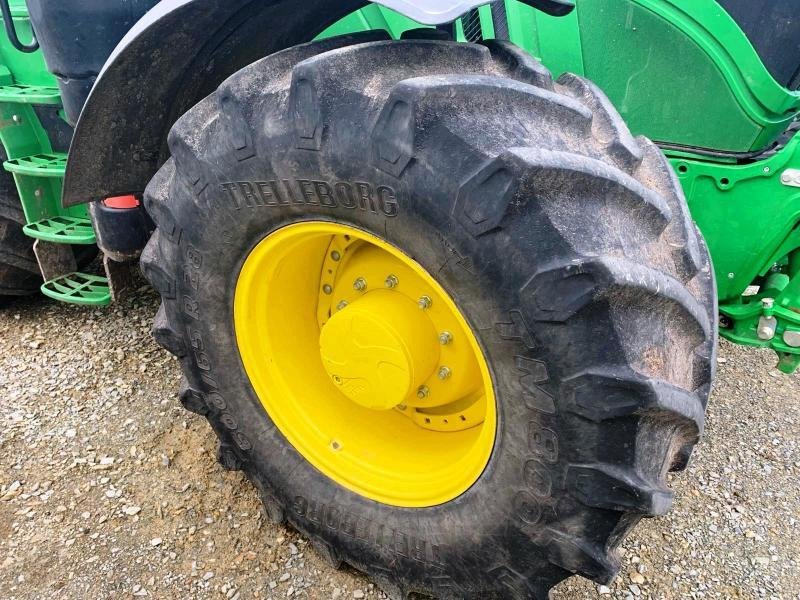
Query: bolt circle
391, 282
444, 373
360, 284
422, 392
445, 338
424, 302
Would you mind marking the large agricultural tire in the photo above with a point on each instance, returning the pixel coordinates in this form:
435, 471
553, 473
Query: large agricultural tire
565, 242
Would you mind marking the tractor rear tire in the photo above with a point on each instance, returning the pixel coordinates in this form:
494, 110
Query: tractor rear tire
565, 242
19, 271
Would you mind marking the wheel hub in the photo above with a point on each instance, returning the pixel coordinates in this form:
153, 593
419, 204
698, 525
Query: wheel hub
379, 349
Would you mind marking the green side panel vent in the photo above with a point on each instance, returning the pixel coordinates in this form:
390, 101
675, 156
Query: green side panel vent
29, 94
79, 288
51, 164
62, 230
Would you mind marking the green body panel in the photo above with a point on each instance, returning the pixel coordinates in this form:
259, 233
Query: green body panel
678, 71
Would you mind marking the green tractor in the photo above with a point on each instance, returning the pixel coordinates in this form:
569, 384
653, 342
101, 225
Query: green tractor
451, 314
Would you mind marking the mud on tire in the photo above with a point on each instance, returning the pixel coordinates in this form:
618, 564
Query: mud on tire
565, 241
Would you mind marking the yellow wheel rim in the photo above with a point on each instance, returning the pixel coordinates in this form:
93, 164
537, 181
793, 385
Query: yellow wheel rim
365, 364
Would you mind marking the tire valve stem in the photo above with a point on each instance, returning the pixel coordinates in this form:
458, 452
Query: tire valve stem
422, 392
391, 282
424, 302
360, 284
444, 373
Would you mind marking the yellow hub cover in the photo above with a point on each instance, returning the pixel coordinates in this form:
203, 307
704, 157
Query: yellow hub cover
365, 364
379, 349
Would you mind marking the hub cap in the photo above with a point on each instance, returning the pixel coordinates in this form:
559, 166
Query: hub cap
365, 364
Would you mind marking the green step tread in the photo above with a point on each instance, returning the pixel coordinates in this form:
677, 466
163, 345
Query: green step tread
62, 230
51, 164
29, 94
79, 288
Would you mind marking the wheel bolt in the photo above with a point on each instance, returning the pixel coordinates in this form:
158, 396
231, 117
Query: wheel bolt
402, 406
337, 380
391, 282
341, 305
335, 255
422, 392
445, 338
360, 284
444, 373
767, 303
424, 302
327, 289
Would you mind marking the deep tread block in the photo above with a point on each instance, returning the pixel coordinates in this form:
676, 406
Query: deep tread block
611, 393
656, 167
227, 457
166, 336
578, 555
162, 281
559, 292
156, 196
191, 399
618, 488
518, 64
608, 126
548, 172
328, 553
393, 138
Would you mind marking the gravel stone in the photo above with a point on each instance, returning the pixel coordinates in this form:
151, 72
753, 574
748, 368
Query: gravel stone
88, 415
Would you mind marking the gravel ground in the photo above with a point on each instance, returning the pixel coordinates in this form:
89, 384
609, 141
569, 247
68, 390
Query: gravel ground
109, 489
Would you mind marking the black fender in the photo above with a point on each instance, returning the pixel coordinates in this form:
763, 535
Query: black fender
172, 58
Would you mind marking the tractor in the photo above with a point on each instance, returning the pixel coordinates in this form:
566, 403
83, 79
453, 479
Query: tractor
437, 272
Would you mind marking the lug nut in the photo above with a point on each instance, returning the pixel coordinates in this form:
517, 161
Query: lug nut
401, 407
444, 373
767, 303
391, 282
360, 284
422, 392
335, 255
424, 302
341, 305
327, 289
445, 338
337, 380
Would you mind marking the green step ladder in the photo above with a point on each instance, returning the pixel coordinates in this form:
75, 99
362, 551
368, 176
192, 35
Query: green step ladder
38, 171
